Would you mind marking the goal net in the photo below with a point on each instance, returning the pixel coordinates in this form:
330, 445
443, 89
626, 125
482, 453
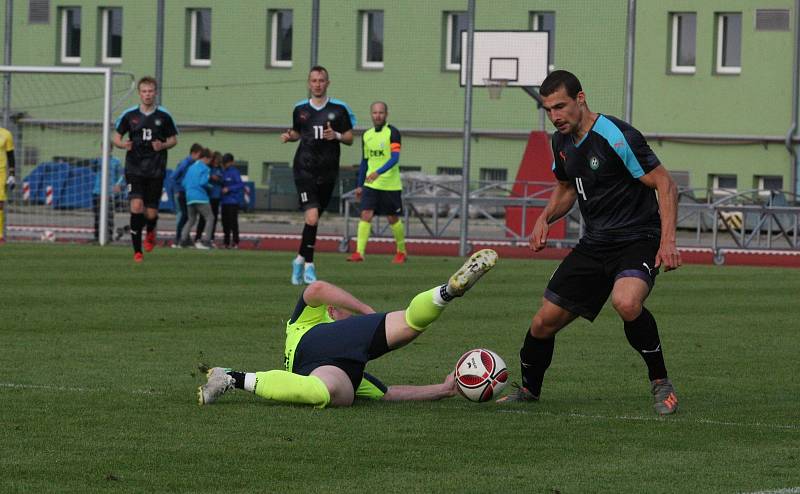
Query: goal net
60, 118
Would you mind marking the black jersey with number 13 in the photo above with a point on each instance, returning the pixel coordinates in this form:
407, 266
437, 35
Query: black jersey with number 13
142, 129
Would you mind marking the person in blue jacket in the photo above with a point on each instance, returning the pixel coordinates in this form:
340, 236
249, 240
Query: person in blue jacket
232, 188
116, 178
197, 202
214, 195
179, 193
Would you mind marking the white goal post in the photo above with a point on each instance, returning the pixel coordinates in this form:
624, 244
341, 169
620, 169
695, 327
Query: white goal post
58, 117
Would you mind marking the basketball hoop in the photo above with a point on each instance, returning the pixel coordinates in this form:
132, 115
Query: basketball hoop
495, 87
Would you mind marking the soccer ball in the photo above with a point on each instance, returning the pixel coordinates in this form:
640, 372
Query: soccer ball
480, 375
48, 236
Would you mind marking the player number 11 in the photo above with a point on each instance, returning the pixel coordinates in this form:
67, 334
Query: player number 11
318, 130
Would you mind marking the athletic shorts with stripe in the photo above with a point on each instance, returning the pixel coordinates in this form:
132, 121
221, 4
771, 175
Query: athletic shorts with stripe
585, 278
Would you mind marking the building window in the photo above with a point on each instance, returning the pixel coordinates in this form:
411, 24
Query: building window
372, 40
455, 22
493, 174
684, 42
722, 185
546, 21
769, 182
408, 169
729, 43
38, 11
111, 36
70, 34
280, 49
200, 37
449, 170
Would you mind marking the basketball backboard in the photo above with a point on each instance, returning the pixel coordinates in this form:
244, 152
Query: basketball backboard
519, 58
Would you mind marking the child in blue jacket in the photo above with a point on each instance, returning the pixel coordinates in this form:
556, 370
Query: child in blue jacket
197, 201
232, 187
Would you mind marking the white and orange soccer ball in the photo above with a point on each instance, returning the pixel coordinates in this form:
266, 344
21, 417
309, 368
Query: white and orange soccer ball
481, 375
48, 236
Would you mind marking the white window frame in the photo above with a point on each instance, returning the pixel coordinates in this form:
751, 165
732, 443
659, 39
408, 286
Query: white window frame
195, 62
718, 191
449, 42
366, 64
273, 50
105, 25
673, 64
65, 59
727, 69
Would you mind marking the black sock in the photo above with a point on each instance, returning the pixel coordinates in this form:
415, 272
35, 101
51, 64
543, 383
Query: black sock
239, 377
642, 334
308, 242
151, 224
137, 222
535, 358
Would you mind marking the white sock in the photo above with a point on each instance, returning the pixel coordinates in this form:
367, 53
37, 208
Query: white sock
437, 296
299, 259
310, 264
250, 382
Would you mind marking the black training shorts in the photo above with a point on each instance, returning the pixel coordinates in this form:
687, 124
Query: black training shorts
585, 278
347, 344
314, 193
383, 202
145, 188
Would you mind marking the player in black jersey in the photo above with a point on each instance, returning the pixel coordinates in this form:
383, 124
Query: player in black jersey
151, 132
608, 167
320, 124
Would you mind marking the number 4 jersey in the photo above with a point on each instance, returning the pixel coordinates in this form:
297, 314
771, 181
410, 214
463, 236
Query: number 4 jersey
142, 129
317, 158
604, 168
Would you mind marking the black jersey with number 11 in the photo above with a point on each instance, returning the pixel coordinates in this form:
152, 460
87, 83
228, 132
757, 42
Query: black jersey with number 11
317, 158
604, 168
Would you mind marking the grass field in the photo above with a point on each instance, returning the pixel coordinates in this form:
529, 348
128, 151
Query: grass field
98, 376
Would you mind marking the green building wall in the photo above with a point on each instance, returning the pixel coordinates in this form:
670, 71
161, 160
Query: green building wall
240, 89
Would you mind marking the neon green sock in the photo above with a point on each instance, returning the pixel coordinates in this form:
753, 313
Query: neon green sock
287, 387
2, 220
422, 310
364, 229
399, 236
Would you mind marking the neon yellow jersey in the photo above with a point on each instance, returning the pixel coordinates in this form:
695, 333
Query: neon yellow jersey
378, 148
300, 325
6, 145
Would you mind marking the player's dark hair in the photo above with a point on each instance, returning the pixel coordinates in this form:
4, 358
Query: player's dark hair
216, 158
205, 153
147, 80
558, 79
196, 148
319, 68
227, 158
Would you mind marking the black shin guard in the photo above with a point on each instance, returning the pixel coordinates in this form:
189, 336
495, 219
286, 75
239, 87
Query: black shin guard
239, 377
308, 242
535, 358
150, 225
137, 223
642, 334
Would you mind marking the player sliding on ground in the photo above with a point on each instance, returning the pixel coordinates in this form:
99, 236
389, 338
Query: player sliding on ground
332, 335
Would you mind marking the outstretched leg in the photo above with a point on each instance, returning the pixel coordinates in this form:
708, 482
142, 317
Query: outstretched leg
403, 326
323, 387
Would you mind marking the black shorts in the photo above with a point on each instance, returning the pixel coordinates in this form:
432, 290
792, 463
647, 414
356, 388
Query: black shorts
347, 344
145, 188
585, 278
314, 194
383, 202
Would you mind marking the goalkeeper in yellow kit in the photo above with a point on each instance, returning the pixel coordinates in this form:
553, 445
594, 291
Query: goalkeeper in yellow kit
7, 178
332, 335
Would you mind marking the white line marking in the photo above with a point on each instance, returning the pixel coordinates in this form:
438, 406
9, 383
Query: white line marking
660, 419
69, 389
788, 490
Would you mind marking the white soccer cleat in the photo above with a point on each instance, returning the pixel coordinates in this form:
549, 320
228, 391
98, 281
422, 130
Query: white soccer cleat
218, 383
476, 266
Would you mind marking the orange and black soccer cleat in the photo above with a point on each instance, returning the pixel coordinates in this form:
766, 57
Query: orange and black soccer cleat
355, 257
399, 258
138, 257
664, 400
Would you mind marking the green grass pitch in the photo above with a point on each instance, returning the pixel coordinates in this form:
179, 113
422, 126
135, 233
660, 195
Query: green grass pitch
98, 376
